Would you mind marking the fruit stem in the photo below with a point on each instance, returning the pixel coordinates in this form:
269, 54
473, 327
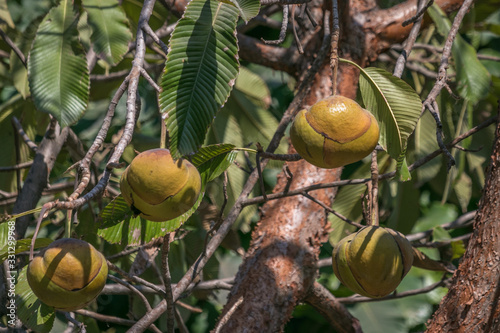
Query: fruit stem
163, 136
334, 57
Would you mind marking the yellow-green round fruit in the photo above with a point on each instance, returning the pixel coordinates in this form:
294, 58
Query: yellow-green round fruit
68, 274
373, 261
158, 188
334, 132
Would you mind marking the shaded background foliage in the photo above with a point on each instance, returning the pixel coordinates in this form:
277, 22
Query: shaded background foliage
250, 114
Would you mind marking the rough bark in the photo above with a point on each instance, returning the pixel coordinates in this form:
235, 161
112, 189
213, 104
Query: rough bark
280, 266
471, 304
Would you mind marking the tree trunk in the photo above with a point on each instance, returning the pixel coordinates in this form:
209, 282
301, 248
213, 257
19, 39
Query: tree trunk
280, 265
471, 304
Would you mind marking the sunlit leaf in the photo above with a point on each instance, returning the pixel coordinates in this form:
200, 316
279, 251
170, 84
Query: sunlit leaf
396, 106
213, 160
57, 67
200, 71
110, 31
136, 230
114, 212
247, 8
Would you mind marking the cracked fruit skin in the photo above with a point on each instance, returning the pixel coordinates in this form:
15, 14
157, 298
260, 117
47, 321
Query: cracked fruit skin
373, 261
68, 274
158, 188
334, 132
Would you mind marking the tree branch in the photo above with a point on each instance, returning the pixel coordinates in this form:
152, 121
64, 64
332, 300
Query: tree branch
332, 310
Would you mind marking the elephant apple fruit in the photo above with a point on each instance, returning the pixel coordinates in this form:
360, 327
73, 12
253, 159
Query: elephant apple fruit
68, 274
334, 132
373, 261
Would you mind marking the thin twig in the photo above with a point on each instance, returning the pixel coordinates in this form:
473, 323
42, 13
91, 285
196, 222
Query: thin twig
14, 47
180, 323
135, 279
463, 221
330, 210
220, 218
218, 284
123, 253
98, 141
228, 315
294, 29
23, 165
42, 215
408, 44
105, 318
374, 214
150, 80
167, 281
22, 133
288, 2
281, 157
133, 289
81, 326
259, 171
430, 101
155, 37
419, 15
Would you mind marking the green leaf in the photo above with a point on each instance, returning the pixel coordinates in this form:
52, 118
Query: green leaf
402, 171
200, 71
472, 77
458, 249
396, 106
18, 70
440, 234
213, 160
118, 224
114, 212
30, 310
247, 8
57, 67
110, 31
463, 190
136, 230
22, 245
